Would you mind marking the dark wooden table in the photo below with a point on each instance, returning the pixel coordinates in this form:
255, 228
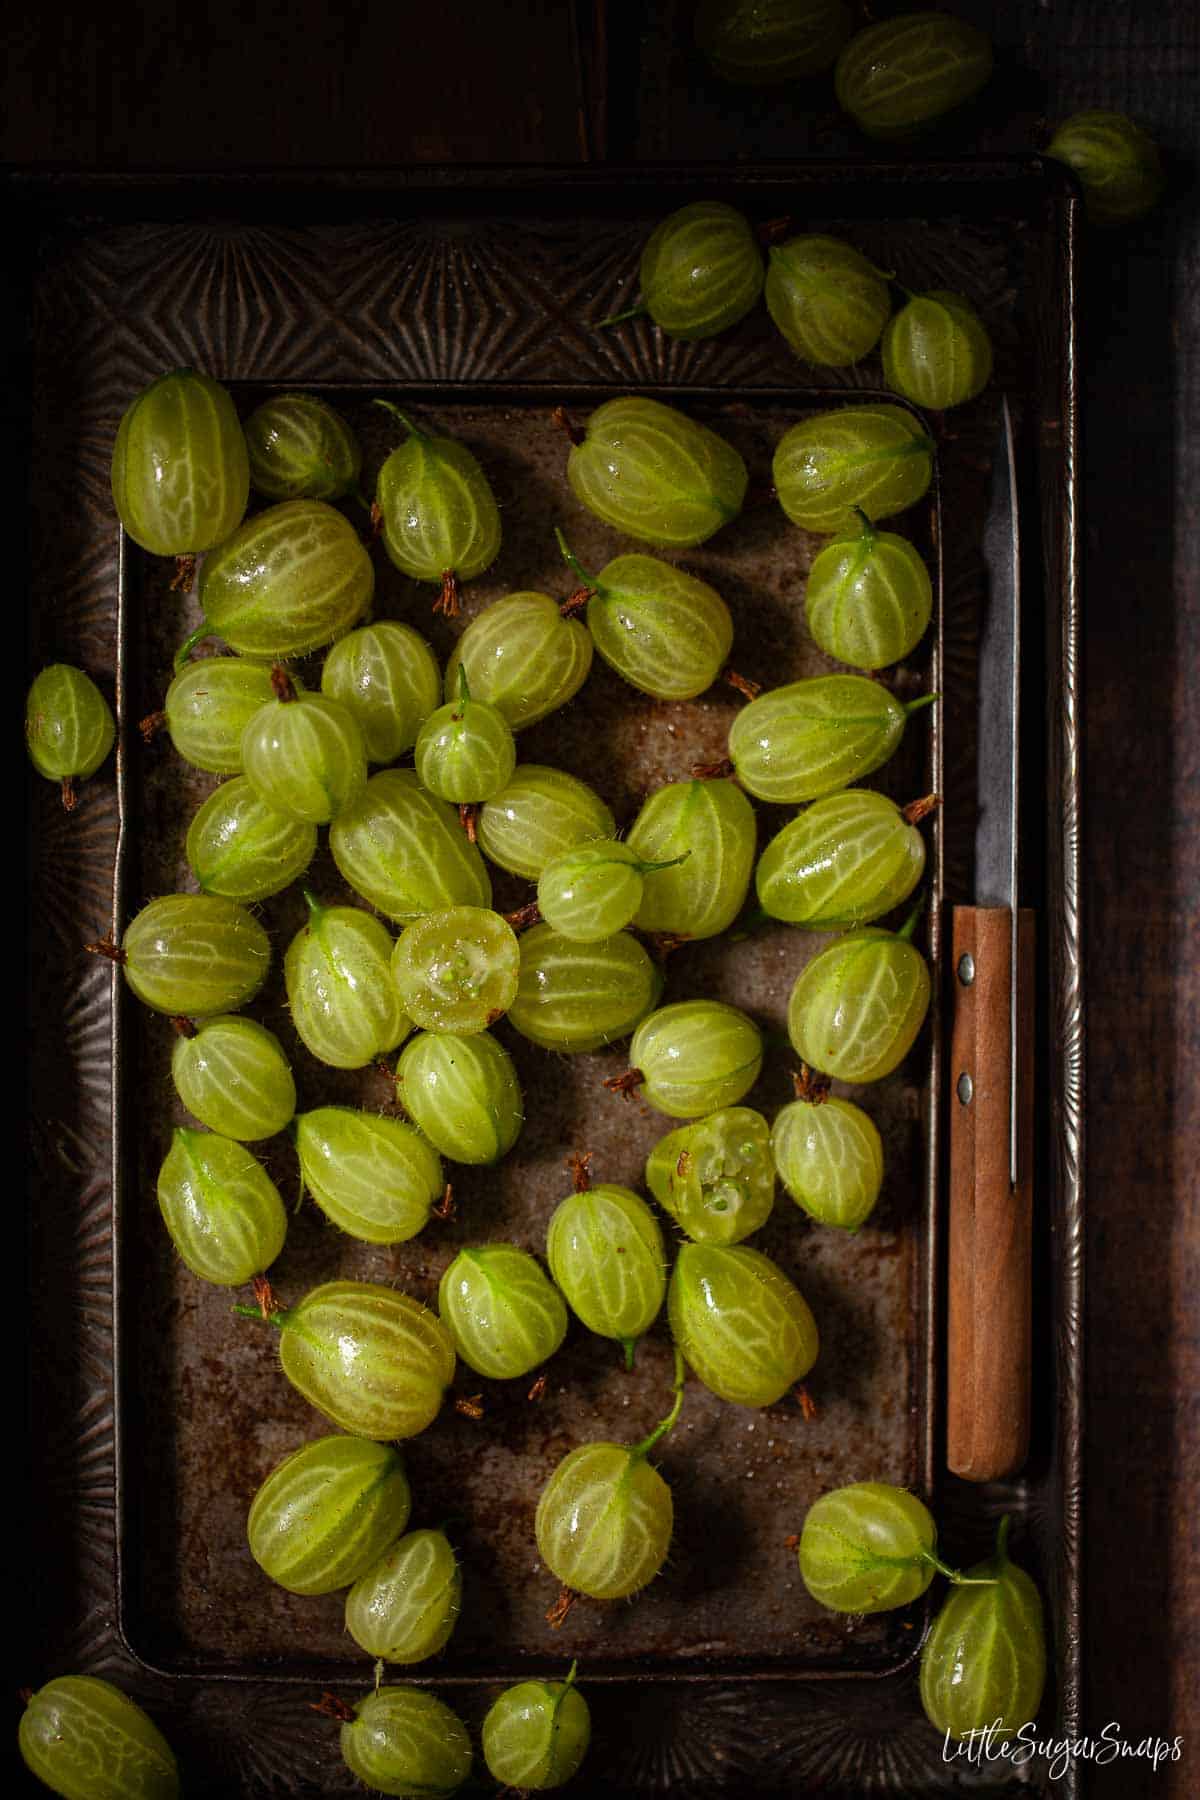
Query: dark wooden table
354, 85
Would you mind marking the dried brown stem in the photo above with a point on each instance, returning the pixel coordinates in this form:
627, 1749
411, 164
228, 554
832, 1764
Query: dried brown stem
683, 1166
773, 231
713, 771
445, 1208
811, 1086
70, 798
375, 525
792, 1542
749, 689
281, 684
185, 574
557, 1614
808, 1405
331, 1707
576, 433
106, 946
576, 602
524, 917
916, 810
449, 601
580, 1164
627, 1084
468, 815
264, 1298
151, 725
184, 1026
469, 1405
538, 1388
665, 943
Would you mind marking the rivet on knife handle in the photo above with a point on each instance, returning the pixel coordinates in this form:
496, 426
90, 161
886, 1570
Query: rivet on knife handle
990, 1300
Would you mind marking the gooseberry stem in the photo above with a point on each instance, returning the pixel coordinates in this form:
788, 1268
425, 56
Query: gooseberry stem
652, 868
278, 1319
1002, 1539
660, 1430
916, 810
633, 312
415, 430
921, 700
573, 562
868, 533
629, 1346
464, 686
281, 685
315, 909
955, 1575
189, 644
910, 924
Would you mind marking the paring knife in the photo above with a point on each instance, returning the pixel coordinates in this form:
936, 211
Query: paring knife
991, 1052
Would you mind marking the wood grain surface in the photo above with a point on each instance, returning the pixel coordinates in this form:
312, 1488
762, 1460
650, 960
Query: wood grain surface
312, 83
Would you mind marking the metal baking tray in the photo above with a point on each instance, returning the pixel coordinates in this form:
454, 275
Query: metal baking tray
155, 1414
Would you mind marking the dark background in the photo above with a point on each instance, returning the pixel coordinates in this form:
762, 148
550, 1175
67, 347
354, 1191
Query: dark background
310, 83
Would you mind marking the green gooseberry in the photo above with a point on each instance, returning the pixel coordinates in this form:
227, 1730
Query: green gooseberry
605, 1517
868, 1548
440, 518
523, 656
404, 1608
666, 633
856, 1008
576, 997
402, 1741
208, 706
701, 272
815, 736
290, 580
371, 1359
180, 472
716, 1177
405, 852
503, 1313
536, 1734
703, 836
540, 813
338, 973
869, 598
376, 1178
900, 75
652, 472
386, 675
304, 754
695, 1057
232, 1074
765, 41
86, 1740
222, 1209
847, 859
742, 1326
240, 847
69, 727
193, 954
984, 1661
829, 1155
829, 302
301, 448
879, 458
1117, 163
936, 351
457, 970
465, 751
606, 1253
462, 1092
327, 1513
594, 890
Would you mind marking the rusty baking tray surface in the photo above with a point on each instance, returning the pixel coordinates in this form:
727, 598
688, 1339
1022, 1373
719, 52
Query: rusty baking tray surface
471, 298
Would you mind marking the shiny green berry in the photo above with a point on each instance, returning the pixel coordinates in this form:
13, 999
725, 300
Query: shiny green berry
829, 302
829, 1156
650, 471
339, 986
766, 41
900, 75
523, 657
304, 754
232, 1074
540, 813
327, 1513
180, 474
869, 598
710, 826
936, 351
867, 1548
606, 1253
694, 1057
664, 632
985, 1657
402, 1741
575, 997
701, 271
743, 1327
1118, 165
69, 727
208, 706
289, 580
406, 852
856, 1008
879, 458
404, 1608
594, 890
222, 1209
195, 954
462, 1092
457, 970
86, 1740
846, 860
536, 1734
716, 1178
440, 518
386, 675
238, 846
815, 736
503, 1313
375, 1178
301, 448
465, 751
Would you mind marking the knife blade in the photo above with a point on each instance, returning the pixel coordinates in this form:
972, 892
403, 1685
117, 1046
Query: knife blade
991, 1051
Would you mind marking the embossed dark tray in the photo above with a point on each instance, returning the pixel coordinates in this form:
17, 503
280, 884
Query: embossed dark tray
470, 294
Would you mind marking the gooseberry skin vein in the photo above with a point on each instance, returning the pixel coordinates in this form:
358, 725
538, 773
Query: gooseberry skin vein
327, 1513
208, 705
404, 1608
867, 1548
696, 1057
936, 351
86, 1740
827, 300
540, 813
743, 1327
503, 1314
180, 471
305, 757
900, 75
301, 448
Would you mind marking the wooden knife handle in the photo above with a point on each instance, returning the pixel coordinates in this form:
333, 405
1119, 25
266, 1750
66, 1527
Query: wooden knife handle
990, 1291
